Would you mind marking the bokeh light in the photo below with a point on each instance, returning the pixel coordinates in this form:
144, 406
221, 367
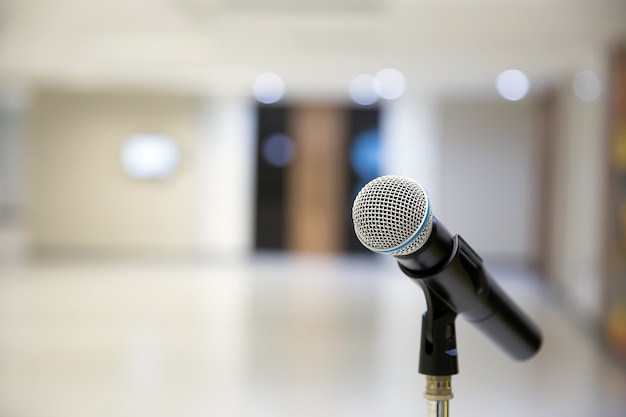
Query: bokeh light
268, 88
148, 156
278, 150
390, 83
587, 86
365, 154
363, 89
512, 85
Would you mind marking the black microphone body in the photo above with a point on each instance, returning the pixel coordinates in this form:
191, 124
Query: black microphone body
392, 215
454, 272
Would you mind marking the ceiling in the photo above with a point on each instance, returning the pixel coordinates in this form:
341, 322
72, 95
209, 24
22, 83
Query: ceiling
219, 46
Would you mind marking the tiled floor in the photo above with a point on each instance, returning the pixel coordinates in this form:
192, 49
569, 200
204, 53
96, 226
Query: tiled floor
269, 337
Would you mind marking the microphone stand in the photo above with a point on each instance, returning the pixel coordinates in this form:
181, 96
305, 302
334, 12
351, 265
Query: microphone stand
438, 353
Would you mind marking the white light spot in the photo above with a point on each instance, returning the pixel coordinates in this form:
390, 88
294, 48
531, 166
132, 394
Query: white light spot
587, 86
278, 150
268, 88
146, 156
512, 85
363, 90
390, 84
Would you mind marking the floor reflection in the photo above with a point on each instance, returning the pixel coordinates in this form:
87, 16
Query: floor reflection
271, 336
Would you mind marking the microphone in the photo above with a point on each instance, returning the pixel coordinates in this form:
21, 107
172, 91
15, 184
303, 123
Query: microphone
392, 215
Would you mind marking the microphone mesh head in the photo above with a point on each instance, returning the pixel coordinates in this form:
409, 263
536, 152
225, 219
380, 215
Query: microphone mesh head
392, 215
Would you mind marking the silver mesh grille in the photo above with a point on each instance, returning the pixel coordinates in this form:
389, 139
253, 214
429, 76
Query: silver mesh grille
388, 212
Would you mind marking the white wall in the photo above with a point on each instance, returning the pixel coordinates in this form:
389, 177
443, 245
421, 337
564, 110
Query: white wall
487, 171
476, 158
224, 170
480, 161
578, 202
410, 141
80, 198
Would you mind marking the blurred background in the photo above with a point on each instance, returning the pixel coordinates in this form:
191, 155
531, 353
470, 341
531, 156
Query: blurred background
176, 178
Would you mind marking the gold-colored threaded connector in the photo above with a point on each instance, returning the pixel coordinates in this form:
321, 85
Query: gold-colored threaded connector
438, 388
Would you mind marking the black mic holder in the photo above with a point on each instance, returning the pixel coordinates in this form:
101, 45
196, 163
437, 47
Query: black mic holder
446, 297
438, 350
459, 284
438, 353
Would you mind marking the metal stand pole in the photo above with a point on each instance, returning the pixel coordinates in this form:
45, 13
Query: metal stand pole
438, 394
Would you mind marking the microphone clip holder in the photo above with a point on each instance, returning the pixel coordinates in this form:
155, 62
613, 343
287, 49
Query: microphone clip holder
446, 297
438, 353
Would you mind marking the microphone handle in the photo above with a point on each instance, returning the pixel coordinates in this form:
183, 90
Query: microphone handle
502, 321
463, 283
